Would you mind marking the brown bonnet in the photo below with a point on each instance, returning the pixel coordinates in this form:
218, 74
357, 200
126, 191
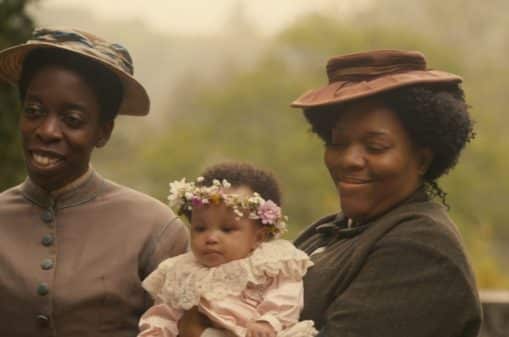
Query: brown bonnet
365, 74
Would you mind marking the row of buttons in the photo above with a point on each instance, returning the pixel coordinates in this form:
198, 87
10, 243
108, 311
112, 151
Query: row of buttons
43, 288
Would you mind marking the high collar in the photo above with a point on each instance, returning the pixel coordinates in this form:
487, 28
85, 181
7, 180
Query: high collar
83, 189
339, 223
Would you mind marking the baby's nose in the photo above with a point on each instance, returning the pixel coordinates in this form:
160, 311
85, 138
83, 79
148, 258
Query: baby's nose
212, 238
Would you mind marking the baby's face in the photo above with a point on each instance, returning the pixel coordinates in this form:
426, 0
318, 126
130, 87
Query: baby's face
219, 236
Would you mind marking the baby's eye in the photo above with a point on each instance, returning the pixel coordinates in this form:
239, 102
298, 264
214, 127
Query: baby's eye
228, 229
199, 228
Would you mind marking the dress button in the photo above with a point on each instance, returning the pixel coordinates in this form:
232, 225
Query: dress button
42, 320
47, 216
42, 289
47, 240
47, 264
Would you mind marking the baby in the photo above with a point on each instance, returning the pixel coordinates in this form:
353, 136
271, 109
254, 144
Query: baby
238, 273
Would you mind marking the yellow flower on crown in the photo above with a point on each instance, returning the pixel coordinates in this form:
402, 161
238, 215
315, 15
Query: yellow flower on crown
215, 199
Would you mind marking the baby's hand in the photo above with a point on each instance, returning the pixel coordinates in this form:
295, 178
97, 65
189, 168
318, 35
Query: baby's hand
260, 329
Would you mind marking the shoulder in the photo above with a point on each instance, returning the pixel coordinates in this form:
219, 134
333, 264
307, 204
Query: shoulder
424, 232
126, 194
11, 192
135, 203
10, 197
144, 211
156, 280
422, 223
278, 258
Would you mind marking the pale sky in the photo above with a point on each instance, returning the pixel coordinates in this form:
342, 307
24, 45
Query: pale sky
204, 16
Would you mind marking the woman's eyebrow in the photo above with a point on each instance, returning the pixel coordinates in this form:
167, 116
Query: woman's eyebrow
76, 106
376, 133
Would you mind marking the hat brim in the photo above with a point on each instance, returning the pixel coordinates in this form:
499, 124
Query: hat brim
135, 100
345, 91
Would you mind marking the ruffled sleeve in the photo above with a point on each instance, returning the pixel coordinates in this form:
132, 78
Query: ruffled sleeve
279, 258
282, 303
284, 266
159, 320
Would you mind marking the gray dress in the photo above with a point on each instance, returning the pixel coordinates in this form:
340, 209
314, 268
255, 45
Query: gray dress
72, 265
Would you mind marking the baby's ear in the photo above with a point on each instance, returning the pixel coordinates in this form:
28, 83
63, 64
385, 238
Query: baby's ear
261, 235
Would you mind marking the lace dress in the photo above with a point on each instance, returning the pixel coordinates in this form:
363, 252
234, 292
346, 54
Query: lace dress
266, 286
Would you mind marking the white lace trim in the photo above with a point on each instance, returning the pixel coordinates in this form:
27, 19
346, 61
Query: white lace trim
181, 281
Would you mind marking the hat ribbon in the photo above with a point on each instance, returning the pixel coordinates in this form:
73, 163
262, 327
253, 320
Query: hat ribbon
368, 72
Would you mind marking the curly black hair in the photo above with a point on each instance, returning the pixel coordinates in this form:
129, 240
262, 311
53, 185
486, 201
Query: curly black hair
106, 86
244, 174
434, 116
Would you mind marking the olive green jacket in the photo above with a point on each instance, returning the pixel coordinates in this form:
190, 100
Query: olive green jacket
404, 274
72, 266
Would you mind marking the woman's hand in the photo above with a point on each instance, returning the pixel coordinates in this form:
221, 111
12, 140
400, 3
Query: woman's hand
260, 329
193, 323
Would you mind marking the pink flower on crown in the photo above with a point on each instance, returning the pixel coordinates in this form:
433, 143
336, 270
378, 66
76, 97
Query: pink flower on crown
196, 201
269, 212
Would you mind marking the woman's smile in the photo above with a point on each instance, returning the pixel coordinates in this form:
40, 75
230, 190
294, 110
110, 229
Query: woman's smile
45, 160
353, 180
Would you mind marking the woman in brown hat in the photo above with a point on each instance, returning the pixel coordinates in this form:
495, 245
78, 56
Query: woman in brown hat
391, 263
74, 246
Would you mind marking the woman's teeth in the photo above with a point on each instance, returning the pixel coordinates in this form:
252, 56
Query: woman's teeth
44, 160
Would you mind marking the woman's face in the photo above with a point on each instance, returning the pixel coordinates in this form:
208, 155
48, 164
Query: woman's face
372, 161
60, 126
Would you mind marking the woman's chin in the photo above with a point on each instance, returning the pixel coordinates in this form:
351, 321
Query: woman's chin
49, 178
354, 209
48, 171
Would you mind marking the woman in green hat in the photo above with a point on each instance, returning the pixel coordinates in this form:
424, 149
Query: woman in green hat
74, 246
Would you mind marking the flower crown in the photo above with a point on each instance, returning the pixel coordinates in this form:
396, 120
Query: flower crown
186, 195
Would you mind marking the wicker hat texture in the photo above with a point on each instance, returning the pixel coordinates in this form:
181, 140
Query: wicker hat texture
369, 73
112, 56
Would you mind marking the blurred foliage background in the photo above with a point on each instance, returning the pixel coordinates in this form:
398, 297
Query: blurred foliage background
15, 27
226, 97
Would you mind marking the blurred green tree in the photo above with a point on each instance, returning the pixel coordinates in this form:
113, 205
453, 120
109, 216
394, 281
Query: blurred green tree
246, 117
244, 114
15, 27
